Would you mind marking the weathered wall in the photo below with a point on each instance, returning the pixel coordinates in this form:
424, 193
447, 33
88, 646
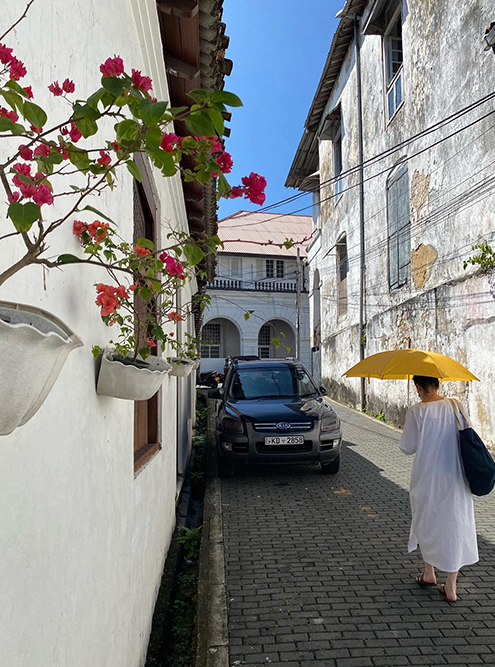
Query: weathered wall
83, 540
451, 207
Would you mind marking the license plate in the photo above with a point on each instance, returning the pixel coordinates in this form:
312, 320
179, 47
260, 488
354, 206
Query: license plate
285, 440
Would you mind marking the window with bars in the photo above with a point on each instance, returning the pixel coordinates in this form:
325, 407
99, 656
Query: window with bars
342, 271
211, 341
269, 268
392, 44
146, 413
280, 268
264, 338
399, 228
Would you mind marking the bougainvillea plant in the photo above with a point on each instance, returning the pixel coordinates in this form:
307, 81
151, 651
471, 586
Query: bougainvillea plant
54, 168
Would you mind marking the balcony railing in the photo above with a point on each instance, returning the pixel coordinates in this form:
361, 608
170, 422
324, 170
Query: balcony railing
258, 286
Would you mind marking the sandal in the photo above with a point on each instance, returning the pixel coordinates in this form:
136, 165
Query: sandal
443, 592
420, 580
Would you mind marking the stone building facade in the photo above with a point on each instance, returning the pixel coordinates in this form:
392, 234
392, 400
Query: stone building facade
428, 139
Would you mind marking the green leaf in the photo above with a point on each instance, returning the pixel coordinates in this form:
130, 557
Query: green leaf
86, 111
203, 176
156, 284
217, 120
199, 123
275, 342
247, 316
34, 114
146, 243
153, 138
18, 129
151, 112
288, 349
79, 159
95, 210
23, 215
134, 170
126, 130
175, 111
96, 351
223, 185
113, 85
162, 160
13, 100
227, 98
13, 85
146, 294
53, 158
199, 96
193, 253
68, 259
93, 99
6, 125
86, 126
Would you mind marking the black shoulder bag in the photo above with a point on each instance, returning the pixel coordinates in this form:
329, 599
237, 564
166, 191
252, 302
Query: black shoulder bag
479, 466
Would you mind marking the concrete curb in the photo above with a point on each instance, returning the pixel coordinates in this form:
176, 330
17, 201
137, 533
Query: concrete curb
212, 633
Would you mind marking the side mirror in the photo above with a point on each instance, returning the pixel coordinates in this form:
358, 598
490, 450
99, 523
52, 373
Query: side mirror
216, 394
323, 391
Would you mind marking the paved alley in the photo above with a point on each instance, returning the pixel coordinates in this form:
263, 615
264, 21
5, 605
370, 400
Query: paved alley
318, 571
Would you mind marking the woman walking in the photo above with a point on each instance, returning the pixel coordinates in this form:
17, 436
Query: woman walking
441, 502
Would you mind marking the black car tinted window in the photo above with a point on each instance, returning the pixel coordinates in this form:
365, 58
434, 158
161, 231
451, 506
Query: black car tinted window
251, 383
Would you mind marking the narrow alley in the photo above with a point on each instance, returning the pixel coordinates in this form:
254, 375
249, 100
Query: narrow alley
318, 571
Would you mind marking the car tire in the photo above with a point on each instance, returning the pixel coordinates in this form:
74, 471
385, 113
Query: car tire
225, 468
332, 467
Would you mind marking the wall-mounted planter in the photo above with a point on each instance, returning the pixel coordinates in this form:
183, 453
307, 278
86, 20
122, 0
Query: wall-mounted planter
181, 367
132, 381
33, 348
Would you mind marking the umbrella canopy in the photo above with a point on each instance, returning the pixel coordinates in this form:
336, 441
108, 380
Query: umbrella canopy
403, 364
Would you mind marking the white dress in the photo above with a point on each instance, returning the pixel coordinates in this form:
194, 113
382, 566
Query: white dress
441, 501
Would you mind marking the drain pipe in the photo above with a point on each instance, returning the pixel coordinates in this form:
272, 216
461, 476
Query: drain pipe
362, 266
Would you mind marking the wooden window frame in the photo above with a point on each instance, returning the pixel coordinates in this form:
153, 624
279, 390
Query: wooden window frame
342, 273
147, 414
393, 81
398, 231
269, 268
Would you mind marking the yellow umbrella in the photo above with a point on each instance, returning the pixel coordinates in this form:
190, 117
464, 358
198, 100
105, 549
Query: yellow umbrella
403, 364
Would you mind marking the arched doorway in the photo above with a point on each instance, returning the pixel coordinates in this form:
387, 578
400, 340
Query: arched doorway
284, 333
220, 338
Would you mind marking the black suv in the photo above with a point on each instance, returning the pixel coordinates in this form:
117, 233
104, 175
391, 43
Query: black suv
272, 411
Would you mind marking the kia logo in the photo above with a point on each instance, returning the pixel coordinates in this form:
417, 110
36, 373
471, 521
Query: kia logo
283, 426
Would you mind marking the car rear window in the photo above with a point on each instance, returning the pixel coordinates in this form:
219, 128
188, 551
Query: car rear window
283, 382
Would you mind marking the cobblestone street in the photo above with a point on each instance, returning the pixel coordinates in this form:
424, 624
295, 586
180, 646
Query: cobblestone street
318, 571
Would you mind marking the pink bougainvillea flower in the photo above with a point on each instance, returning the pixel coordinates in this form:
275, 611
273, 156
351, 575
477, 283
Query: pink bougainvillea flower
225, 162
17, 69
64, 131
142, 252
109, 298
29, 92
168, 141
74, 133
78, 227
55, 89
24, 170
236, 191
150, 343
42, 150
13, 196
142, 82
134, 287
122, 292
112, 66
38, 130
25, 153
254, 188
172, 266
174, 316
43, 195
5, 54
68, 86
104, 158
5, 113
116, 146
28, 190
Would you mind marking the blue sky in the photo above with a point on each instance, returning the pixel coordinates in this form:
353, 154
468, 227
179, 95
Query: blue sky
279, 48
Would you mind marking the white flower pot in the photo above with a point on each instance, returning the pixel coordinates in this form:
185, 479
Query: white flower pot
33, 348
181, 367
195, 365
130, 382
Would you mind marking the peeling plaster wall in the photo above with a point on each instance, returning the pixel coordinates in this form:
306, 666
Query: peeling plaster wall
83, 539
442, 307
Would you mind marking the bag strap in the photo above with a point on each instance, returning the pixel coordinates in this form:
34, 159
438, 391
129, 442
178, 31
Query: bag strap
455, 408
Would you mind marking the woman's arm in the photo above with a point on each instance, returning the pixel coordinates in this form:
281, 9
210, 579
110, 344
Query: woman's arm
411, 434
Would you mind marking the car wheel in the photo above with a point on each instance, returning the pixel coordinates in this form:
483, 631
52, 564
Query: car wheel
225, 468
332, 467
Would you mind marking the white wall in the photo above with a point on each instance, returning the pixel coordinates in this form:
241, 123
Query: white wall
83, 540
